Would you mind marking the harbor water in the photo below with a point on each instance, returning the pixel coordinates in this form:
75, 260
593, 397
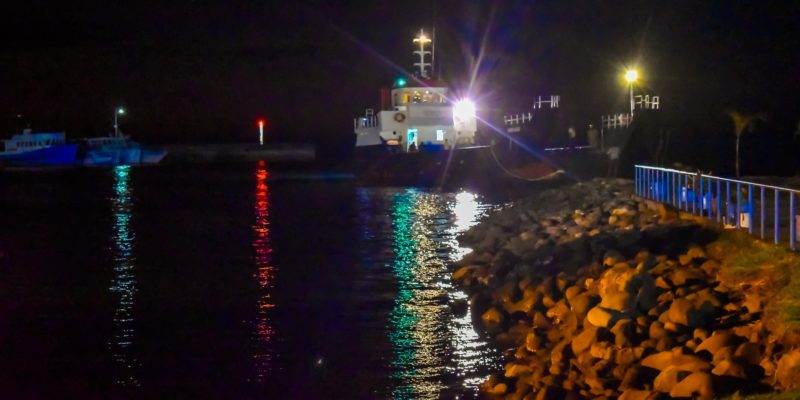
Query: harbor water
231, 282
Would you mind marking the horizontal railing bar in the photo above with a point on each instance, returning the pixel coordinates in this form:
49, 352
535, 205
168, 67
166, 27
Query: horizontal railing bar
718, 178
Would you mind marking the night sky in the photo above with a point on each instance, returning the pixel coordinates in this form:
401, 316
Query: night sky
205, 70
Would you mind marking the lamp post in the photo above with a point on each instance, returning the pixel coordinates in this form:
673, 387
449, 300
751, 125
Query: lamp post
261, 132
119, 111
631, 76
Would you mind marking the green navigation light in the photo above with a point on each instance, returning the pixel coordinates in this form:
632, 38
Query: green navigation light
400, 82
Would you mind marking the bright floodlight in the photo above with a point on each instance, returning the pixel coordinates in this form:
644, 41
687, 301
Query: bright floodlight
464, 109
422, 39
631, 75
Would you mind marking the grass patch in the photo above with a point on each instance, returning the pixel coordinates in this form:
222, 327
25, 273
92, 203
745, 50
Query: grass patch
747, 260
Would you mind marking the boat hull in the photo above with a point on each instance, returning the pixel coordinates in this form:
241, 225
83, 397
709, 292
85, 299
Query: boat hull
49, 156
460, 167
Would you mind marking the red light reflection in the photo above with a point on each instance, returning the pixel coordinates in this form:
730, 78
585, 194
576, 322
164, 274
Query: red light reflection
264, 274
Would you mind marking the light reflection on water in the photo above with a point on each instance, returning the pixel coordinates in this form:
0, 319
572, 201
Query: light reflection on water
123, 282
425, 334
264, 331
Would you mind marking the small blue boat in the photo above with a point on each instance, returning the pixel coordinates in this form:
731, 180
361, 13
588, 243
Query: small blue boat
118, 150
37, 149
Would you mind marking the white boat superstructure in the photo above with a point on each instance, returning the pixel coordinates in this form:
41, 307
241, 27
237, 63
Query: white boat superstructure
418, 115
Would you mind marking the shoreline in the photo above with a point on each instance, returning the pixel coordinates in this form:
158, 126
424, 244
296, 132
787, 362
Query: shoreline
591, 292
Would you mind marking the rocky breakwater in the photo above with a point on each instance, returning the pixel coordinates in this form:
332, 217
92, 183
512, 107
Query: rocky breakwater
594, 293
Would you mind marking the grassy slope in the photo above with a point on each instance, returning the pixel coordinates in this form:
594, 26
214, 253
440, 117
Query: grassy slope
755, 262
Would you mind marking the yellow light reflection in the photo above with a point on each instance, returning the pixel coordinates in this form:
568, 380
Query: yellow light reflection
264, 331
123, 283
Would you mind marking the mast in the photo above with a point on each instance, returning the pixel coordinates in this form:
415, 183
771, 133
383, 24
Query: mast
433, 51
422, 39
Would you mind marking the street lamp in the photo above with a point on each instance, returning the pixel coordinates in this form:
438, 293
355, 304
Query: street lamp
631, 76
117, 113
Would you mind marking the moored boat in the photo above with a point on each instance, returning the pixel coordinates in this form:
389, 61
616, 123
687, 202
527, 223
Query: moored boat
117, 150
37, 149
420, 132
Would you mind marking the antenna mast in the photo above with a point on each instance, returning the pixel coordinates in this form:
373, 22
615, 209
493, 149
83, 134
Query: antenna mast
422, 39
433, 51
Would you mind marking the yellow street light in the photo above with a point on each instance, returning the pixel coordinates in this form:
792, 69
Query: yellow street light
631, 75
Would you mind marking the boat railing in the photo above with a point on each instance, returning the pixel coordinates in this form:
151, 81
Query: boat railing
708, 196
615, 121
517, 119
366, 122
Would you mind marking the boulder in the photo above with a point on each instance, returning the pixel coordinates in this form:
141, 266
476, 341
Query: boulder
656, 330
635, 394
581, 303
492, 319
584, 340
787, 373
731, 368
623, 332
714, 343
677, 360
514, 370
753, 302
687, 275
749, 352
686, 313
533, 342
602, 317
558, 312
698, 384
666, 380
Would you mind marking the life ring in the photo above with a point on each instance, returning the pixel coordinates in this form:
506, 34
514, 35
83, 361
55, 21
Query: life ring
399, 117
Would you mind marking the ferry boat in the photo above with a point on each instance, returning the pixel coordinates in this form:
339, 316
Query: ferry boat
37, 149
421, 134
117, 149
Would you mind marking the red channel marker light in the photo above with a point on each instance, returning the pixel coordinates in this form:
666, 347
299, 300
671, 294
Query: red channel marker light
261, 123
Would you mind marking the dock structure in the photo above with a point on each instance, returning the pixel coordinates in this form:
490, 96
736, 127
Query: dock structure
235, 152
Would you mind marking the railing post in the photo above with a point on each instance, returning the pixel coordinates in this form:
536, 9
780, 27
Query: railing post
680, 190
672, 188
738, 205
700, 190
719, 201
777, 222
694, 194
792, 224
727, 202
710, 200
763, 224
751, 211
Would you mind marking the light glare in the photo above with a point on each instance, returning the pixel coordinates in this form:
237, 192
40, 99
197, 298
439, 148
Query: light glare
464, 109
631, 75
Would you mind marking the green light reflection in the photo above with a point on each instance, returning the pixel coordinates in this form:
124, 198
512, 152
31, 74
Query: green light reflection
429, 342
123, 283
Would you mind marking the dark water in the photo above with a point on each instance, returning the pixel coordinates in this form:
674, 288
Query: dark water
229, 282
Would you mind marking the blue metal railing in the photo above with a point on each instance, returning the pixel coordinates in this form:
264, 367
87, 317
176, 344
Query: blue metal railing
707, 196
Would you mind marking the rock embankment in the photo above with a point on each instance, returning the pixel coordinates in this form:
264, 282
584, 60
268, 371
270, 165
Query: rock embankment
594, 293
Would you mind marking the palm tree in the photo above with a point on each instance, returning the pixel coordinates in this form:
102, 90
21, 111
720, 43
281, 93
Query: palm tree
740, 123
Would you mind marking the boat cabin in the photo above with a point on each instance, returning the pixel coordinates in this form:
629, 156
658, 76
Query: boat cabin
419, 115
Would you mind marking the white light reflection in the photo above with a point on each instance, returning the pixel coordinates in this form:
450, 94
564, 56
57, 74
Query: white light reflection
124, 281
471, 355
